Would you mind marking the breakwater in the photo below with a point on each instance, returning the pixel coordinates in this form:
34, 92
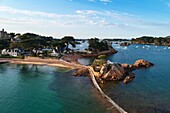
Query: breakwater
103, 94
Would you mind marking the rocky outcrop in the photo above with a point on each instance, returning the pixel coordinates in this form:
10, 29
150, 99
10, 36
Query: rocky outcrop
99, 80
103, 70
125, 66
129, 78
81, 72
123, 71
137, 65
117, 72
142, 63
97, 68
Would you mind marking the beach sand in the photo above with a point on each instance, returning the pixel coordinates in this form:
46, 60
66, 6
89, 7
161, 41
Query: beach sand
40, 61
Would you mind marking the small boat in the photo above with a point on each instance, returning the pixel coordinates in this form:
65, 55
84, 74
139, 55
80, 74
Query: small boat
125, 48
136, 47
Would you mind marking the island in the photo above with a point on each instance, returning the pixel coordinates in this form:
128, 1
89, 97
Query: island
161, 41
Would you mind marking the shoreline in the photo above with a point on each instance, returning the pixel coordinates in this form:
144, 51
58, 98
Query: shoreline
75, 57
38, 61
65, 64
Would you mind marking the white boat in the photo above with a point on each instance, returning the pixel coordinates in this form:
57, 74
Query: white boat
125, 48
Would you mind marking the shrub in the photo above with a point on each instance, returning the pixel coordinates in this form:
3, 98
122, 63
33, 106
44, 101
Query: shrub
102, 56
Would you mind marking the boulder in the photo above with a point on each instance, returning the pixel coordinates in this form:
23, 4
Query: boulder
99, 80
137, 65
97, 68
103, 69
142, 63
126, 66
129, 78
117, 72
81, 72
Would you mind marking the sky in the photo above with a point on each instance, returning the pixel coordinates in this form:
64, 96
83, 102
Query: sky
87, 18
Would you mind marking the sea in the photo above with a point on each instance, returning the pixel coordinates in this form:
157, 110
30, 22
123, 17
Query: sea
43, 89
149, 92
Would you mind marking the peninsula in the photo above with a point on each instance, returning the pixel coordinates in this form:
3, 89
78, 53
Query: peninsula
39, 50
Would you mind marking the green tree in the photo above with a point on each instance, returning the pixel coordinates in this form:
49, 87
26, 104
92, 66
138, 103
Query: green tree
4, 44
96, 46
102, 57
29, 41
68, 40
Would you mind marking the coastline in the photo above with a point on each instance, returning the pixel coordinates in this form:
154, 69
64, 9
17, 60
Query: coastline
64, 64
75, 57
48, 62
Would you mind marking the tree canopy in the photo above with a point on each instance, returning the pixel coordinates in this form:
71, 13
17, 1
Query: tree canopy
4, 44
96, 45
30, 41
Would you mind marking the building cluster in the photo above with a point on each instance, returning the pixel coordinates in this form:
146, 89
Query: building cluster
12, 52
4, 35
18, 52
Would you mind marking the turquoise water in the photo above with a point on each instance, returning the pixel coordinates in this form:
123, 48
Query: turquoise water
149, 92
42, 89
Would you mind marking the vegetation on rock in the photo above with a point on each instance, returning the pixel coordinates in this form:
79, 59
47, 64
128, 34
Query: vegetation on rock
98, 63
102, 57
96, 45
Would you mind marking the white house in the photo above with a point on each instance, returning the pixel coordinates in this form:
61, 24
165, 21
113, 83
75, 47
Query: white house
12, 52
54, 53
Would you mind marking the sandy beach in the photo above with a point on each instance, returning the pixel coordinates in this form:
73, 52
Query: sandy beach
48, 62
